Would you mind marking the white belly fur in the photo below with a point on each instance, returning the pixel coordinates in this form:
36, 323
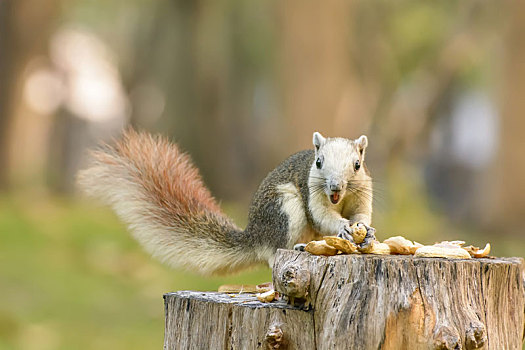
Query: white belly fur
293, 207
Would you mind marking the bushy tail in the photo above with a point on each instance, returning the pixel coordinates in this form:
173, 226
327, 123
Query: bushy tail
155, 189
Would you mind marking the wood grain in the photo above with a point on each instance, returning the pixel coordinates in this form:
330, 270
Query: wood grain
361, 302
400, 302
210, 320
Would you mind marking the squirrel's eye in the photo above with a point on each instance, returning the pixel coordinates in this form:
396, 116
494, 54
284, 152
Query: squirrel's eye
357, 165
319, 163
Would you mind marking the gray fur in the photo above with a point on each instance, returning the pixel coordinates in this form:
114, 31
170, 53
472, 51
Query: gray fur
268, 223
138, 178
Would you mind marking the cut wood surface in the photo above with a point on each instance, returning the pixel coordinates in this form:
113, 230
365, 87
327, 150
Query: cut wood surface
211, 320
361, 302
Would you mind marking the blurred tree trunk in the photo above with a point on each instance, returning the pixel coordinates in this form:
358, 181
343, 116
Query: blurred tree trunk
25, 27
6, 76
511, 184
318, 86
212, 51
199, 60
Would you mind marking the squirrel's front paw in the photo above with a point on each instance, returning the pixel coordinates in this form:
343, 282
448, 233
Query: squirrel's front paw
346, 231
369, 237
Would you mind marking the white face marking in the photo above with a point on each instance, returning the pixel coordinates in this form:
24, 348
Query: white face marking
337, 158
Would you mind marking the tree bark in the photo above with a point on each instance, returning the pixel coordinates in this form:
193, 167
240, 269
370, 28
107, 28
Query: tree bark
362, 302
209, 320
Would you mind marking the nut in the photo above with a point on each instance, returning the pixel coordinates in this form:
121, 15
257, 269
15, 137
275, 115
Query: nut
266, 297
401, 245
264, 287
378, 248
358, 232
450, 252
341, 244
449, 244
237, 288
475, 252
320, 248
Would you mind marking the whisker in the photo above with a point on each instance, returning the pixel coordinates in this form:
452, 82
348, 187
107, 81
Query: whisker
364, 192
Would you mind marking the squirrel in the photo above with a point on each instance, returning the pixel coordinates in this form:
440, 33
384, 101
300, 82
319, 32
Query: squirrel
156, 190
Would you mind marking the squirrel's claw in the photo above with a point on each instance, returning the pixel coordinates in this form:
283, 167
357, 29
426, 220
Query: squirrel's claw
346, 232
369, 238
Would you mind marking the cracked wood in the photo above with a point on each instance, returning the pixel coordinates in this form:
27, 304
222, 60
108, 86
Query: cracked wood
211, 320
402, 302
361, 302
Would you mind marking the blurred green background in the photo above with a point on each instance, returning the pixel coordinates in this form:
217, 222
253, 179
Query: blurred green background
436, 86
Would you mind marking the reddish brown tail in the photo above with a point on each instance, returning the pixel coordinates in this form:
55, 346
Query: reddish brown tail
156, 190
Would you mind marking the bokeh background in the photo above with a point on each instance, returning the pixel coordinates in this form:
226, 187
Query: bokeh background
241, 84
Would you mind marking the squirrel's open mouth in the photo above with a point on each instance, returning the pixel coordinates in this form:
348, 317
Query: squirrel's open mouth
334, 197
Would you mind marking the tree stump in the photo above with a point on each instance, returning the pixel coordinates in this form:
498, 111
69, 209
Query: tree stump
210, 320
361, 302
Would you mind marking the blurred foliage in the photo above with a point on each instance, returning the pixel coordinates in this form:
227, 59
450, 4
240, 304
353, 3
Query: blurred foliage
240, 85
402, 207
72, 278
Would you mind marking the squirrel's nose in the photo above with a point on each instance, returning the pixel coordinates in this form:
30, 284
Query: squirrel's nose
335, 186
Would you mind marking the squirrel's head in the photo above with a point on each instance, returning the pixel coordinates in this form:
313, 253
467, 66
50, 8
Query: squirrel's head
338, 164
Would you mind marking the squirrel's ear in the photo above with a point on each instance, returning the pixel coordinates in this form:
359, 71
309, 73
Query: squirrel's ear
318, 140
362, 143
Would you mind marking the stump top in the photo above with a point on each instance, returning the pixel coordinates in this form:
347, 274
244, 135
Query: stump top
361, 302
292, 255
247, 300
364, 301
